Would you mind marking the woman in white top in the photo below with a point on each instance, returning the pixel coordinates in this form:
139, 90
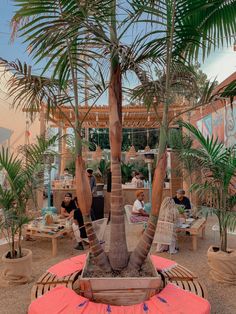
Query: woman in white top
138, 207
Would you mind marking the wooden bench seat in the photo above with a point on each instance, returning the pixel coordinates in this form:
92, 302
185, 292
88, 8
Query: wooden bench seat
186, 280
48, 281
178, 275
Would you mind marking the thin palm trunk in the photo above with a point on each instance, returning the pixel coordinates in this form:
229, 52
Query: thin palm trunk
140, 253
82, 183
118, 252
142, 250
84, 195
223, 240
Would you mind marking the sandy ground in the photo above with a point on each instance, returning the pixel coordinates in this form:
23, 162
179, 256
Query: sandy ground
15, 300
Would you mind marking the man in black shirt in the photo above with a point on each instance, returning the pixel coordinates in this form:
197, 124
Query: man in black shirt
70, 209
180, 199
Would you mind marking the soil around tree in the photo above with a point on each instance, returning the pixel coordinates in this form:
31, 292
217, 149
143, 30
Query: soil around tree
92, 271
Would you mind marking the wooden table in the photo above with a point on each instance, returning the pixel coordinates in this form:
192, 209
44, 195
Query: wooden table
50, 232
197, 228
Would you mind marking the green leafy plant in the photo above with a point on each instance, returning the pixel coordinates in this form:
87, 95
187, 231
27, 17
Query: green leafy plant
217, 188
22, 176
103, 168
181, 209
126, 172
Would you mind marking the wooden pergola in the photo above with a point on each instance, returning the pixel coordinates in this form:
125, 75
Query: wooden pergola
133, 116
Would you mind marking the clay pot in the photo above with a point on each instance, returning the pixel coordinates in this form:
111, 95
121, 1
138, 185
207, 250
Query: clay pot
17, 271
222, 265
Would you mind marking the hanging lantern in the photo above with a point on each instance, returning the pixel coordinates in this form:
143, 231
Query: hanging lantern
131, 154
98, 153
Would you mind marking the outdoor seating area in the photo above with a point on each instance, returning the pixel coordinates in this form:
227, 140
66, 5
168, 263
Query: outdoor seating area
191, 267
118, 157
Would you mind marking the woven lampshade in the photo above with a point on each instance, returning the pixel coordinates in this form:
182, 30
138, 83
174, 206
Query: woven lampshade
131, 153
98, 153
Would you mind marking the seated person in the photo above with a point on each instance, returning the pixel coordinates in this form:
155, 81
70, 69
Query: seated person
70, 210
180, 199
136, 179
168, 213
138, 212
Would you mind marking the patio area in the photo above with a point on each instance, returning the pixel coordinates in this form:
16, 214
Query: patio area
16, 299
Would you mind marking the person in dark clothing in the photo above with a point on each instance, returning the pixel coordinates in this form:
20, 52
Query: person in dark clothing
68, 206
92, 181
180, 199
70, 209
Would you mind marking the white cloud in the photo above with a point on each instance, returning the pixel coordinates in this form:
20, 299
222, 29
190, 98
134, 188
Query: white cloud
220, 64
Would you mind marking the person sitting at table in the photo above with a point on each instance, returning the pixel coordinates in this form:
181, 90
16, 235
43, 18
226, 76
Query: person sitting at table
138, 211
181, 199
136, 180
70, 210
168, 213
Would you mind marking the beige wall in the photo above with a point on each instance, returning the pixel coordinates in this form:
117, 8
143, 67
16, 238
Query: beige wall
12, 119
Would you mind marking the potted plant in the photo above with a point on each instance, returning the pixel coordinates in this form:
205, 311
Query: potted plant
22, 178
218, 168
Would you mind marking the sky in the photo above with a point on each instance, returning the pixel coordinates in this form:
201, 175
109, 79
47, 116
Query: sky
219, 65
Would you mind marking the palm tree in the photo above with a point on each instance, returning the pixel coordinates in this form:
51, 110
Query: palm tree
22, 174
174, 33
218, 166
184, 28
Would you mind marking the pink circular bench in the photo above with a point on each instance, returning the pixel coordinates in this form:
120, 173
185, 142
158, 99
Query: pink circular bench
60, 294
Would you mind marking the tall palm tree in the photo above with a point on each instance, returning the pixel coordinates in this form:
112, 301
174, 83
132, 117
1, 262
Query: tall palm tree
185, 28
170, 35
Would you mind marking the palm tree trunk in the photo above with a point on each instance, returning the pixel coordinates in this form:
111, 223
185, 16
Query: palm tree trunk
140, 253
84, 196
83, 190
223, 240
118, 253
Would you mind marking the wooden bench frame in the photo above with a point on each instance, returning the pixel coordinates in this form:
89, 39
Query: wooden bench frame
186, 280
178, 275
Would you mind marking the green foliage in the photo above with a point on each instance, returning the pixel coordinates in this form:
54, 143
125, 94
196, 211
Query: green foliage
126, 172
103, 167
218, 170
22, 176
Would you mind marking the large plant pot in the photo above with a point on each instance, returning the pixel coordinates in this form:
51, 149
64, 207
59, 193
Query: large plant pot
222, 264
120, 290
17, 271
